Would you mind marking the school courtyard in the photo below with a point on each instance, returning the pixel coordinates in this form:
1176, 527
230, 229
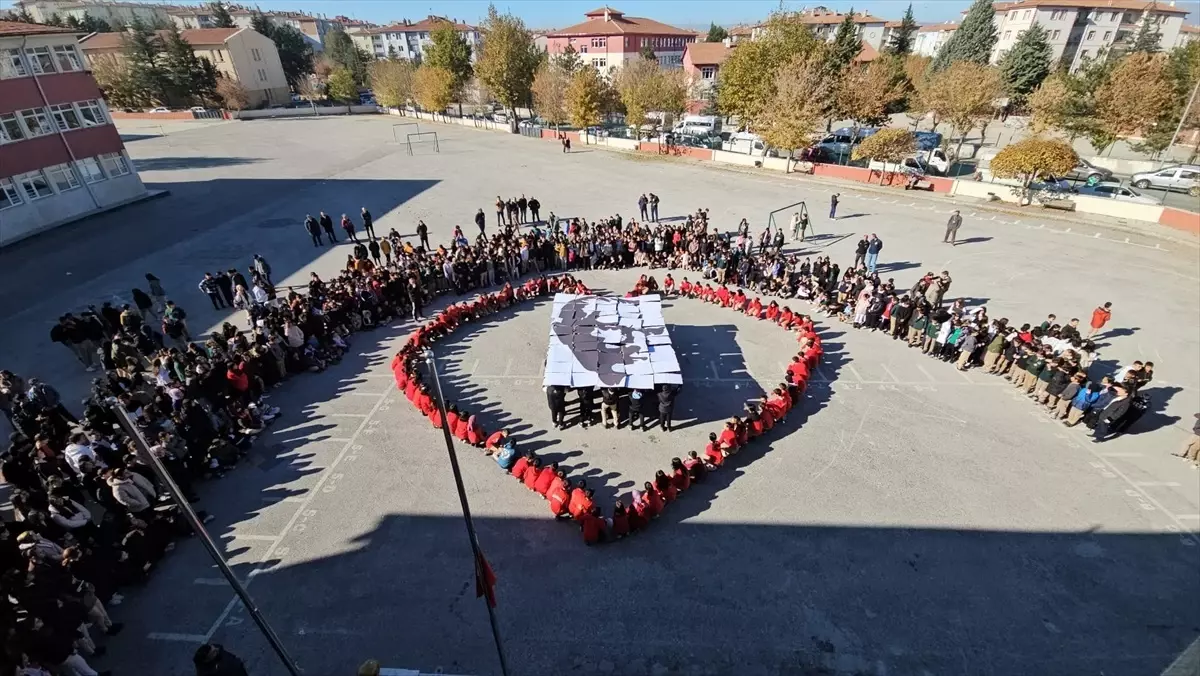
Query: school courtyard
915, 519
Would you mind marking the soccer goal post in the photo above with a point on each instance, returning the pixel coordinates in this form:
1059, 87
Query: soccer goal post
803, 211
396, 131
419, 136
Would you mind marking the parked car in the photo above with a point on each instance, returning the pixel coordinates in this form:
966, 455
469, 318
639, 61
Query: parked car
1086, 171
1183, 178
159, 109
1115, 191
198, 109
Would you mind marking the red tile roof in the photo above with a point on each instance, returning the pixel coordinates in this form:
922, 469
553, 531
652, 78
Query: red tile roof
707, 53
18, 28
196, 37
427, 24
938, 27
619, 24
867, 54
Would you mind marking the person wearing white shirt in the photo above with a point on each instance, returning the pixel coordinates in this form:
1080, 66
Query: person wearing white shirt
78, 449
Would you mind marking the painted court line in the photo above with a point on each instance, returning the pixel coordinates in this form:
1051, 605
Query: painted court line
854, 372
276, 500
925, 373
1167, 484
889, 372
363, 394
348, 415
183, 638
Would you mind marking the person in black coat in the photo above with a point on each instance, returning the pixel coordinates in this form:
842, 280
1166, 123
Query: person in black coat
368, 223
1111, 415
314, 230
480, 220
666, 405
327, 225
556, 399
212, 659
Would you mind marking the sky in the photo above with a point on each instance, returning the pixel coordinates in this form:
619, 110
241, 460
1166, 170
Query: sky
543, 14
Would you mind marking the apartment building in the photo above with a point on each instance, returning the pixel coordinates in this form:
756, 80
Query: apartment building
407, 39
872, 30
1084, 29
238, 53
110, 11
702, 62
931, 37
60, 156
1187, 33
607, 39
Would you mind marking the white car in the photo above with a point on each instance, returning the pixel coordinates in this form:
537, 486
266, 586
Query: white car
198, 109
1116, 191
1185, 178
159, 109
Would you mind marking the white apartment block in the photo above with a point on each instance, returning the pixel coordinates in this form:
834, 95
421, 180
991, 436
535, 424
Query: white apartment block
112, 12
929, 39
1084, 29
407, 40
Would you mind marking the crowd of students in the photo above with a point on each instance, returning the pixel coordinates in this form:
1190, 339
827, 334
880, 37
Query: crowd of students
572, 499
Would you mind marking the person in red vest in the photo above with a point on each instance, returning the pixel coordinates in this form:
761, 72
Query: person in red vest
475, 432
593, 527
1100, 317
495, 441
581, 500
728, 438
668, 286
460, 426
532, 473
680, 475
545, 479
665, 489
754, 309
559, 495
713, 450
620, 518
521, 466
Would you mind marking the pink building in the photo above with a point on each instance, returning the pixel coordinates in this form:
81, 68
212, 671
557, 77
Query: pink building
702, 61
608, 38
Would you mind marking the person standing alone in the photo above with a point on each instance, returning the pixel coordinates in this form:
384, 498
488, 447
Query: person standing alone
368, 223
209, 286
1100, 317
952, 226
833, 202
314, 230
480, 220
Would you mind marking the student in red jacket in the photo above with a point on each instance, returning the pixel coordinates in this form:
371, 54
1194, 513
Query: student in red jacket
581, 500
650, 504
754, 309
459, 431
728, 438
754, 423
620, 521
668, 286
435, 418
713, 450
773, 311
546, 477
452, 418
559, 495
798, 369
764, 412
475, 432
680, 475
495, 441
521, 466
696, 467
664, 487
593, 526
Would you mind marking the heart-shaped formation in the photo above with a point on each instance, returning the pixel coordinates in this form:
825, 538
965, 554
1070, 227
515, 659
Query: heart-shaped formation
575, 502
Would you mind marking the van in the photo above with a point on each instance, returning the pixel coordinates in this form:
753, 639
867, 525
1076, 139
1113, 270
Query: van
838, 145
698, 125
745, 143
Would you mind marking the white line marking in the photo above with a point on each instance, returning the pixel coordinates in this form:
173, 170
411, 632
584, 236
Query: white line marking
312, 494
363, 394
347, 415
716, 374
254, 538
889, 372
922, 370
341, 440
185, 638
853, 372
1149, 484
508, 367
389, 671
1191, 517
473, 368
211, 581
277, 500
964, 375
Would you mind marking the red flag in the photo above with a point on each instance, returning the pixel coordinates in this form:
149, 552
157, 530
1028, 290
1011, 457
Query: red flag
485, 580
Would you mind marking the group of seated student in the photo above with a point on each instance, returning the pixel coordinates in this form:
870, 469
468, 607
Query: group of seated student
573, 499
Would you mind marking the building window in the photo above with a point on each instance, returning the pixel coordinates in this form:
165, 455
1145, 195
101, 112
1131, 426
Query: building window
40, 59
34, 185
220, 55
1057, 14
90, 169
65, 116
37, 122
1007, 34
91, 113
257, 54
1107, 35
67, 58
1055, 35
114, 164
1083, 55
1091, 35
599, 43
11, 64
708, 72
62, 177
1013, 14
9, 195
10, 128
583, 49
599, 63
1129, 18
1025, 15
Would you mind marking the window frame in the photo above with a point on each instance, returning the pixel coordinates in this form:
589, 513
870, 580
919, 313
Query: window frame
87, 175
600, 43
60, 118
119, 165
15, 120
14, 63
31, 177
40, 113
10, 194
59, 174
71, 55
91, 105
32, 55
708, 72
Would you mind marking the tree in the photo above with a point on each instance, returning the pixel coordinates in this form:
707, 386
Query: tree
508, 60
295, 54
716, 33
232, 93
92, 24
972, 41
342, 87
19, 15
342, 51
845, 46
568, 60
190, 79
864, 93
433, 88
392, 82
113, 76
1028, 63
55, 20
635, 84
1049, 104
916, 73
1148, 38
904, 36
802, 99
964, 94
1133, 99
584, 98
147, 80
647, 52
221, 16
1183, 69
550, 93
1032, 158
747, 78
448, 49
888, 146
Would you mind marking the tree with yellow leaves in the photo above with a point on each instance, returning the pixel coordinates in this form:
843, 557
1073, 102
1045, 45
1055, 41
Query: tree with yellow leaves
802, 99
550, 92
1049, 104
645, 87
1032, 158
865, 93
584, 97
747, 78
889, 145
433, 88
1131, 101
964, 95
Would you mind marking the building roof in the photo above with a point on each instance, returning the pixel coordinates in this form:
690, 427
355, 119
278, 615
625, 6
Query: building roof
708, 53
866, 54
825, 18
619, 24
1131, 5
196, 37
1189, 28
938, 27
18, 28
427, 24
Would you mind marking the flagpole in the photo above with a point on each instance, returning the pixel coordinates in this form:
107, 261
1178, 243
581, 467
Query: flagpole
440, 400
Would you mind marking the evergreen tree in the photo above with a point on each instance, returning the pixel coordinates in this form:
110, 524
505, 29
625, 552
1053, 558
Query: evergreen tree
568, 60
343, 52
393, 54
845, 46
221, 16
142, 48
188, 78
716, 33
73, 22
1027, 63
901, 42
55, 20
1148, 40
973, 41
647, 52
